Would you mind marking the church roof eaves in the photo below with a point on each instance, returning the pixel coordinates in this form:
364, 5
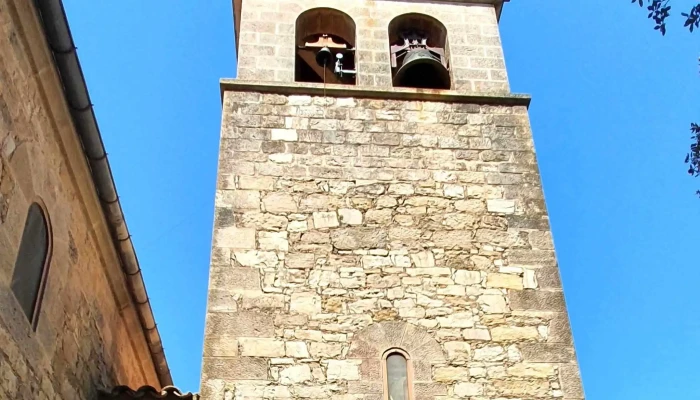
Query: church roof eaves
58, 36
147, 393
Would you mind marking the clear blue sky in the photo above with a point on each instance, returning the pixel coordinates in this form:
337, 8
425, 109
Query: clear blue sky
612, 103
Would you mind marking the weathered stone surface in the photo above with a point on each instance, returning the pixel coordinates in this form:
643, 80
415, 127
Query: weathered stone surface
235, 368
235, 238
325, 220
532, 370
391, 224
476, 334
276, 202
450, 374
305, 303
457, 351
500, 206
349, 216
552, 353
505, 281
325, 350
261, 347
511, 333
296, 349
533, 388
467, 389
300, 261
295, 374
346, 370
358, 238
489, 353
537, 300
462, 277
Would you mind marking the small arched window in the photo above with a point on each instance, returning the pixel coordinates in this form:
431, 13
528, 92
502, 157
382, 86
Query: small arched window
397, 375
419, 57
31, 265
325, 47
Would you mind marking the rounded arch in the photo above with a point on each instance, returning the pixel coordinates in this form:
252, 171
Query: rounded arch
419, 52
378, 340
325, 47
435, 30
32, 262
325, 20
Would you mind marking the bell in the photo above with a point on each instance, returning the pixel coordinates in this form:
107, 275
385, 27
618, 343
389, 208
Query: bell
323, 57
422, 69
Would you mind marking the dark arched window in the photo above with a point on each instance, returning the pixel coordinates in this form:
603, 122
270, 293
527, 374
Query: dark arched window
31, 265
418, 52
397, 373
325, 47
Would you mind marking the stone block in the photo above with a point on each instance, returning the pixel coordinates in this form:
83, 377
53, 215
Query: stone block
457, 351
537, 300
463, 277
325, 350
476, 334
234, 238
305, 303
450, 374
359, 238
468, 389
342, 370
287, 135
234, 279
255, 183
325, 220
490, 353
457, 320
256, 300
500, 206
273, 241
261, 347
504, 281
295, 374
239, 368
296, 350
299, 261
255, 258
532, 370
547, 353
570, 379
529, 389
240, 324
493, 303
424, 259
514, 333
453, 191
279, 203
349, 216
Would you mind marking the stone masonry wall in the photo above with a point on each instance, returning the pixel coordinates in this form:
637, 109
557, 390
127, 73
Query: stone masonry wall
347, 226
88, 335
266, 40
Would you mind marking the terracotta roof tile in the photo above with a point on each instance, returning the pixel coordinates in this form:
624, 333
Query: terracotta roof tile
146, 393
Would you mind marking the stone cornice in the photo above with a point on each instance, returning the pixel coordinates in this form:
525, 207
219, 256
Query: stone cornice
373, 92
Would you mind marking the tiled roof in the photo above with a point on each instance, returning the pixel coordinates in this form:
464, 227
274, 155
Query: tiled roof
147, 393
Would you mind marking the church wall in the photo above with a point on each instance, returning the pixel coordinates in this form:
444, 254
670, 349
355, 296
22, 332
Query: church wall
346, 226
88, 335
266, 45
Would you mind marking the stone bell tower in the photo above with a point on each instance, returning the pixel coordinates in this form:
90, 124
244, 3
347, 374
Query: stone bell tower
380, 227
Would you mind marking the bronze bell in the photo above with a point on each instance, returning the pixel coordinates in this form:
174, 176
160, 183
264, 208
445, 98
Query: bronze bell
422, 69
418, 65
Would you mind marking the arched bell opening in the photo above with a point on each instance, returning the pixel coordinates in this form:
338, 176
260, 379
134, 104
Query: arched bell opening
419, 52
325, 47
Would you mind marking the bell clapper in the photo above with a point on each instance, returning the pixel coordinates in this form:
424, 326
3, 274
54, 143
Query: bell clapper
339, 66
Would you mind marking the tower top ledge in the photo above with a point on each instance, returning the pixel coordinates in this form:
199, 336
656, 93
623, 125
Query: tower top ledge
237, 4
